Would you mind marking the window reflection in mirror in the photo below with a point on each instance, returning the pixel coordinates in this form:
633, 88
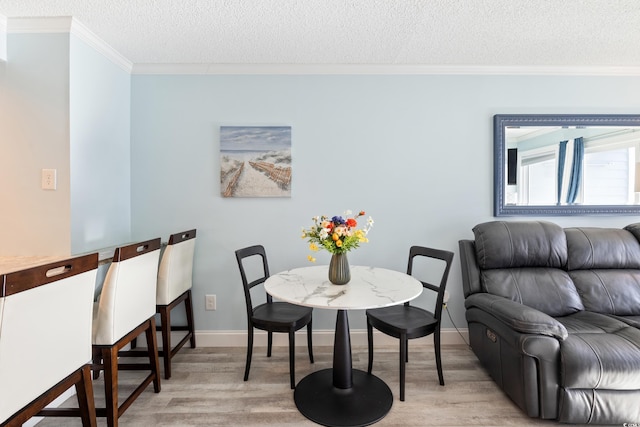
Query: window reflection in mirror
555, 164
608, 165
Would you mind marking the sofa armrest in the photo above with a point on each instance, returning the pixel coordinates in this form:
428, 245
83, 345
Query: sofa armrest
517, 316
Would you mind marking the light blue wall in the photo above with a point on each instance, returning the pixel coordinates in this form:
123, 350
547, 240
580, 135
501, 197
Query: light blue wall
100, 94
415, 152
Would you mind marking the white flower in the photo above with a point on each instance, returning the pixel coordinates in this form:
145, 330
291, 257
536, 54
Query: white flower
324, 233
347, 212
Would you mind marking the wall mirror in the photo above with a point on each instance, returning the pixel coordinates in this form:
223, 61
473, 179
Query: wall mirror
566, 164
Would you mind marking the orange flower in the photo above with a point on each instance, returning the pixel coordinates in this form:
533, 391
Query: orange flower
352, 223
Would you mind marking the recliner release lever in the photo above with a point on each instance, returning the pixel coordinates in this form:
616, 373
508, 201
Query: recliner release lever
492, 335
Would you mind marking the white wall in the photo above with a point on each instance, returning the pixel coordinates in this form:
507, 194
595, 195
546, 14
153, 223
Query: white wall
100, 93
34, 134
415, 152
64, 106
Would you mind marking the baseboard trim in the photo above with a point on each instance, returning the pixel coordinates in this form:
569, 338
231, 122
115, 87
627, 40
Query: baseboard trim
320, 337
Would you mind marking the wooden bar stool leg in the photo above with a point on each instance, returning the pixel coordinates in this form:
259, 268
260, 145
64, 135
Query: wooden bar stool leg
97, 360
152, 349
165, 318
86, 403
110, 360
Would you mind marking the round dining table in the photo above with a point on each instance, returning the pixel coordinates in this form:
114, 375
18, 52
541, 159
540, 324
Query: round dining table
341, 395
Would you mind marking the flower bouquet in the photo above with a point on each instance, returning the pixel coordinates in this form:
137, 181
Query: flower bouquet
338, 235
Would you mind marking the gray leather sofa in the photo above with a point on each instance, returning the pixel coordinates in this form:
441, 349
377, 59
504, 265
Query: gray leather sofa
554, 316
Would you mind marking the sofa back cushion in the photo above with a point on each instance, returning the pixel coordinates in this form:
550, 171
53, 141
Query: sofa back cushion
609, 291
590, 248
604, 264
549, 290
502, 244
524, 261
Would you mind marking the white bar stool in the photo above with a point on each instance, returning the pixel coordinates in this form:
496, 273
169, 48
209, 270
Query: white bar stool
45, 339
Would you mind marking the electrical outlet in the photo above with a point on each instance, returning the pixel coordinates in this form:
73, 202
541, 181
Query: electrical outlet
209, 302
446, 297
48, 179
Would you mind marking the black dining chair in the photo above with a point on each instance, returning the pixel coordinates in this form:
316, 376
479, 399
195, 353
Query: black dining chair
270, 316
408, 322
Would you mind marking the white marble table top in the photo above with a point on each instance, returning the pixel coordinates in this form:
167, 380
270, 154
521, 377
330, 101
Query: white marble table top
369, 287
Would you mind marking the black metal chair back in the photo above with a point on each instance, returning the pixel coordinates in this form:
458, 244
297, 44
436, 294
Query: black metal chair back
241, 255
440, 288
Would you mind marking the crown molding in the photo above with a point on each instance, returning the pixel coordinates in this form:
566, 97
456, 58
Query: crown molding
83, 33
68, 24
55, 24
373, 69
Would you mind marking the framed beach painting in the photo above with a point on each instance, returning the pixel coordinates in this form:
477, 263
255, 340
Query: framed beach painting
255, 161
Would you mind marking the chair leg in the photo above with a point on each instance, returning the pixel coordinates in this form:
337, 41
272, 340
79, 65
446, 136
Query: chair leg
86, 403
134, 343
370, 345
97, 360
406, 351
309, 342
152, 350
403, 358
292, 358
269, 343
249, 352
189, 308
165, 318
110, 360
436, 345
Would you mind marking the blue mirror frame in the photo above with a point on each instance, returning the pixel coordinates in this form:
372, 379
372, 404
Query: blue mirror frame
500, 124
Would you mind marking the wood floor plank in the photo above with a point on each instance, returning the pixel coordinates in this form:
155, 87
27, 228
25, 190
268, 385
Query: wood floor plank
206, 389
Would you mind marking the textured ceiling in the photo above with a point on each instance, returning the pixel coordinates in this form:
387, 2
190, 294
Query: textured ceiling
583, 33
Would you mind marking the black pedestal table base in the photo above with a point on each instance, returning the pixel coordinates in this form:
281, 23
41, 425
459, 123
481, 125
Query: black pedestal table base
342, 396
367, 401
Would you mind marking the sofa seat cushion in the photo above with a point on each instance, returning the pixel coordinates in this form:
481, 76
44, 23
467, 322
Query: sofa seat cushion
629, 320
579, 406
549, 290
600, 353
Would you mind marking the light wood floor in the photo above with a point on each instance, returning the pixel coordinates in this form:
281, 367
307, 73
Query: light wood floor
207, 389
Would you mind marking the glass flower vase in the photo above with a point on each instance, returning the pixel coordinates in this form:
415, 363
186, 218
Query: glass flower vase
339, 273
